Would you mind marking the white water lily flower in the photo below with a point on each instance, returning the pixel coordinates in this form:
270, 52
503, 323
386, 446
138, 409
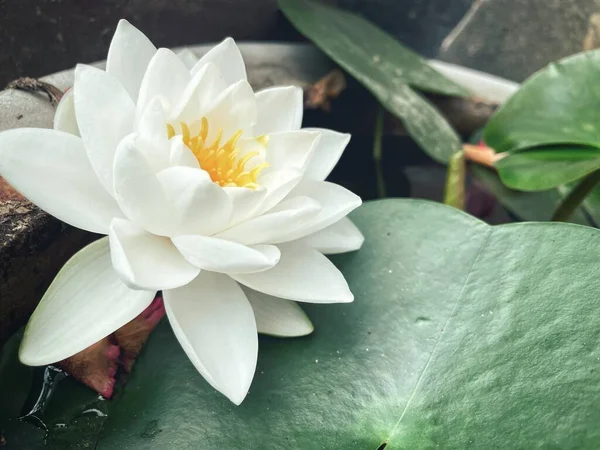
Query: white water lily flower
207, 191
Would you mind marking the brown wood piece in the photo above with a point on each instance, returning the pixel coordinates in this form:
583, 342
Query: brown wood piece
33, 247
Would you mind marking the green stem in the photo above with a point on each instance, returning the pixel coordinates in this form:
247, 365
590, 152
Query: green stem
454, 193
377, 153
572, 201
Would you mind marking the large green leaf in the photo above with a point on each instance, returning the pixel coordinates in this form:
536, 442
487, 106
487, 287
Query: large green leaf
462, 335
385, 67
547, 167
559, 104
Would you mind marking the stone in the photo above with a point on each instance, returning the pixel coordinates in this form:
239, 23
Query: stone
515, 39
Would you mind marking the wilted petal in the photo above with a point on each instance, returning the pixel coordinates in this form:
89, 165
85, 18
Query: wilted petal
166, 77
341, 237
129, 53
51, 169
284, 219
278, 317
215, 325
279, 109
327, 154
86, 302
64, 117
336, 202
132, 336
147, 261
105, 114
302, 274
228, 59
188, 58
220, 255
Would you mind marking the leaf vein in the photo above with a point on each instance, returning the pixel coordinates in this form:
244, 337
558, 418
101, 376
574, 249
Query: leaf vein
433, 351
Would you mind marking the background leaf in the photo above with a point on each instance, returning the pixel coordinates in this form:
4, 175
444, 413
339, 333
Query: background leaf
557, 105
385, 67
547, 167
454, 191
527, 206
367, 52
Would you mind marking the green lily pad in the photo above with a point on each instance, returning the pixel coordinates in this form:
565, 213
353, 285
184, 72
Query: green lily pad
462, 335
385, 67
545, 168
557, 105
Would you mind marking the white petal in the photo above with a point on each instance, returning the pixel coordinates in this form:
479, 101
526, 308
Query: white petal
137, 189
278, 184
220, 255
273, 227
336, 202
51, 169
105, 114
129, 53
291, 149
278, 317
153, 131
233, 110
215, 325
166, 77
228, 59
302, 274
181, 155
64, 117
86, 302
341, 237
244, 202
195, 203
147, 261
201, 92
279, 109
328, 153
177, 200
188, 58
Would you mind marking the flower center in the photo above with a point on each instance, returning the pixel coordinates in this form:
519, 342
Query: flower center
222, 161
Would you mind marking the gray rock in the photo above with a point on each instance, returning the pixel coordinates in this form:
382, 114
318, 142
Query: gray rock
513, 39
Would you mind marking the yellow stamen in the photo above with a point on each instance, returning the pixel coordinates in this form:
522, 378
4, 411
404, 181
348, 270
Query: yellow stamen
170, 130
221, 161
263, 139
